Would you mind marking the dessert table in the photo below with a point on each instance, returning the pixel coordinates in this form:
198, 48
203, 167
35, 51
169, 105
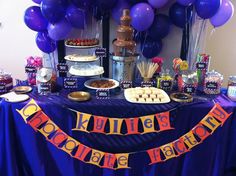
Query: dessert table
25, 152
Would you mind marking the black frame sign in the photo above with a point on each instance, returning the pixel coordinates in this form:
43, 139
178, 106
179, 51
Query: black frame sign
30, 69
45, 88
212, 85
101, 52
70, 83
62, 68
166, 84
189, 89
147, 84
201, 65
103, 94
126, 84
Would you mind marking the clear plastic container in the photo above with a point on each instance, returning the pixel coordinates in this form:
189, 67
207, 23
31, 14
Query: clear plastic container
213, 83
232, 88
187, 82
6, 82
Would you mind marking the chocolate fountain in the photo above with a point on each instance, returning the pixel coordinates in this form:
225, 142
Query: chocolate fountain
124, 57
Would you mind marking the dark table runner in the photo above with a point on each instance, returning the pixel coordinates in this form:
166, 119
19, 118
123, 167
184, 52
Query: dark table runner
24, 152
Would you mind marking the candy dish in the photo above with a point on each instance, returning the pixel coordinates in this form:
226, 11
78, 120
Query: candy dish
101, 83
22, 89
181, 97
79, 96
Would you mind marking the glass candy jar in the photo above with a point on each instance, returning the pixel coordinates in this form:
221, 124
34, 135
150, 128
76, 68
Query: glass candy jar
232, 88
6, 82
187, 82
213, 83
165, 81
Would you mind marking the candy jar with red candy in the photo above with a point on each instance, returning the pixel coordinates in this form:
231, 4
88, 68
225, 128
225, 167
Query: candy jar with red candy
6, 82
213, 83
33, 63
159, 61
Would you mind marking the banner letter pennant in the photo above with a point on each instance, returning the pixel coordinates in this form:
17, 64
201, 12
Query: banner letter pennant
115, 126
109, 161
210, 122
164, 121
82, 122
122, 161
69, 145
168, 151
179, 146
96, 157
190, 140
82, 152
49, 128
58, 137
155, 155
29, 109
148, 124
99, 124
219, 113
132, 126
38, 119
201, 132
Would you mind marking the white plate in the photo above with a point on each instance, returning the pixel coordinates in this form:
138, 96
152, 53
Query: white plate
82, 47
79, 59
166, 97
87, 83
14, 98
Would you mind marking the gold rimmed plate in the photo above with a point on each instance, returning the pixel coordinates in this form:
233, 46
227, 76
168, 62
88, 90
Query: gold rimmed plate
79, 96
22, 89
181, 97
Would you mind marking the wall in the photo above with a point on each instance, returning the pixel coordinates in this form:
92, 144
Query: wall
16, 40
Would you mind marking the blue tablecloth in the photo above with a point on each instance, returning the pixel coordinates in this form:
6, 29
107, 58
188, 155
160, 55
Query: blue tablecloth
24, 152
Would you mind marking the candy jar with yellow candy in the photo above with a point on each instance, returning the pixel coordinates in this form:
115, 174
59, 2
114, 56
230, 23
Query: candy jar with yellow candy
165, 81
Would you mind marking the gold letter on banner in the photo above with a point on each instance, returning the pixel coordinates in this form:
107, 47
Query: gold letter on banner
210, 122
201, 132
96, 157
220, 114
180, 147
122, 161
109, 161
190, 140
58, 137
49, 128
155, 155
148, 124
168, 151
82, 122
115, 126
69, 145
28, 110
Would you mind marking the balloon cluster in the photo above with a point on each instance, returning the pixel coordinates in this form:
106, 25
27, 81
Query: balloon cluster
54, 19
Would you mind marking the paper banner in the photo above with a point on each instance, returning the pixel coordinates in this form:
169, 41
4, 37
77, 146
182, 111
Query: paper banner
155, 155
49, 128
109, 161
168, 151
122, 161
220, 114
190, 140
82, 152
132, 126
148, 124
82, 122
210, 122
58, 137
200, 131
115, 126
164, 121
29, 109
69, 145
38, 119
99, 124
96, 157
180, 147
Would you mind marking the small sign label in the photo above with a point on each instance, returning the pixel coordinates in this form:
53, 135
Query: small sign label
201, 66
62, 68
189, 89
147, 84
102, 94
101, 52
70, 83
166, 84
3, 88
212, 85
30, 69
45, 88
126, 84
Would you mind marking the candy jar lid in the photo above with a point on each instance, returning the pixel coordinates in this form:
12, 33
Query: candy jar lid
44, 75
215, 74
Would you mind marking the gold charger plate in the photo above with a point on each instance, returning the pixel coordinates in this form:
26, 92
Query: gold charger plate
79, 96
22, 89
181, 97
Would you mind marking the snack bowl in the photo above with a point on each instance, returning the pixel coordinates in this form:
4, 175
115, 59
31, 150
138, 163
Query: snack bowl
79, 96
114, 84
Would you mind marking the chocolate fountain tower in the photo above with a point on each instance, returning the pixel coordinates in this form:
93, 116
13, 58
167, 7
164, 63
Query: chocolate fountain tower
124, 45
124, 57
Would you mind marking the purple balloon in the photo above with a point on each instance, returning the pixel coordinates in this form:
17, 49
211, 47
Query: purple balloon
44, 43
186, 2
34, 19
207, 8
75, 16
85, 4
106, 4
142, 16
158, 3
60, 30
117, 11
224, 14
54, 10
37, 1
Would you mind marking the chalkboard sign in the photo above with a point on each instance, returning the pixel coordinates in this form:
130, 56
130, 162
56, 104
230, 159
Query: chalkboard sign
62, 68
147, 84
212, 85
44, 88
101, 52
30, 69
70, 83
126, 84
102, 94
201, 66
